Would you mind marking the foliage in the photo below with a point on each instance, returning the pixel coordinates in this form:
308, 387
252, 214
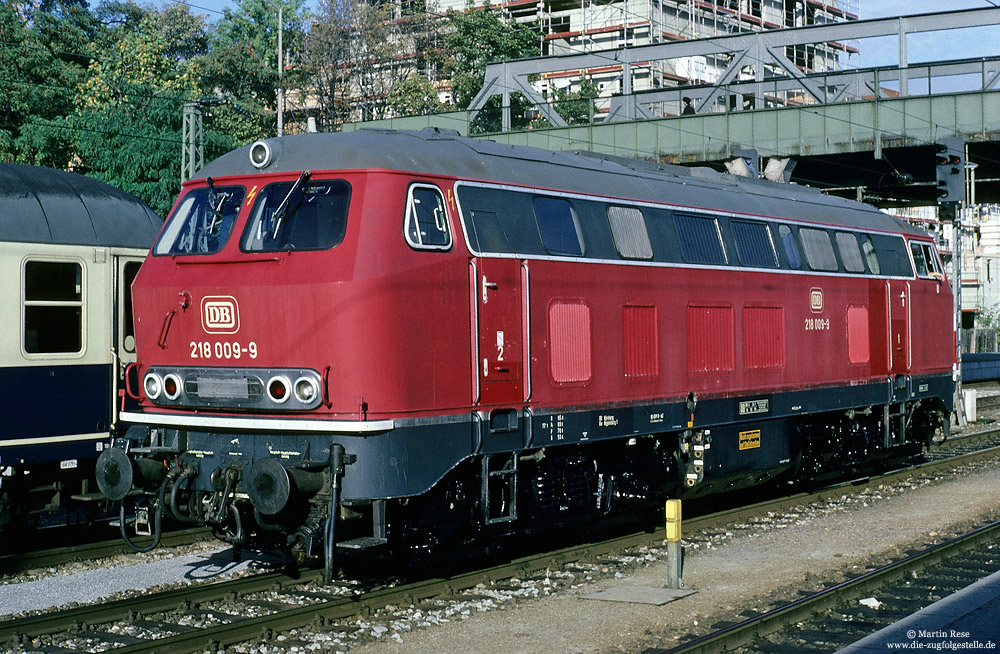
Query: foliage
100, 89
989, 318
241, 66
44, 57
415, 96
480, 36
575, 106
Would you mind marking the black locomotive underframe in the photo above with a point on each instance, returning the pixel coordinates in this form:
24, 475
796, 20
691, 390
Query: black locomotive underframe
577, 461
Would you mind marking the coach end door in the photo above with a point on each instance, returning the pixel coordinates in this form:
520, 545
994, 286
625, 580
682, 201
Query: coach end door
126, 268
499, 320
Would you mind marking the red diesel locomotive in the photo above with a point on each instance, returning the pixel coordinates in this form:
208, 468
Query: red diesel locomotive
413, 337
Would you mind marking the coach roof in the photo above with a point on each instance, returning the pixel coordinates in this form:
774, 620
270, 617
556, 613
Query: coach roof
445, 152
42, 205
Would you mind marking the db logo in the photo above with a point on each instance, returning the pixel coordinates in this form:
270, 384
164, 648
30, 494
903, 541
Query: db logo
816, 300
220, 314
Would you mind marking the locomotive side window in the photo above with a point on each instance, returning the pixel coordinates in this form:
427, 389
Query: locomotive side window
298, 215
850, 253
557, 226
203, 221
499, 220
918, 259
629, 232
868, 247
753, 244
426, 220
489, 232
819, 249
894, 261
700, 239
925, 260
53, 307
789, 246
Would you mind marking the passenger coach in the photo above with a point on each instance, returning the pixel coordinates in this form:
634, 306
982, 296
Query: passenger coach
430, 337
69, 249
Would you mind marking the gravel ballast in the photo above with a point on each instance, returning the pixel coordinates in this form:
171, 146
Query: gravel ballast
746, 568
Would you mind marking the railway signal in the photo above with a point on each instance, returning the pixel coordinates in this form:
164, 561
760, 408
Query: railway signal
949, 164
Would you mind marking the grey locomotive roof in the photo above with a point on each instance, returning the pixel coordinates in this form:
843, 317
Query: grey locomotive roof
443, 152
42, 205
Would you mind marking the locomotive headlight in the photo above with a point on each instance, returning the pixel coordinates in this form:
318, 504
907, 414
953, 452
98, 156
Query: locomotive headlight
260, 154
306, 390
153, 385
278, 389
171, 386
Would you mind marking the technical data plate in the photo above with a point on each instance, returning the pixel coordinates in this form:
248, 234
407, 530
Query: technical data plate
639, 595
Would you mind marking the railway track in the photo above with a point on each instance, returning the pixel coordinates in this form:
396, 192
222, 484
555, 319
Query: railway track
833, 618
221, 614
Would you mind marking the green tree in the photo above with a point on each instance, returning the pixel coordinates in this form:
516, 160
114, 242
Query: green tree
44, 55
241, 67
127, 127
575, 106
415, 96
480, 36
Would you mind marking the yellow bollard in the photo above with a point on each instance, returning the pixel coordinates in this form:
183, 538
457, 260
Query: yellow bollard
672, 512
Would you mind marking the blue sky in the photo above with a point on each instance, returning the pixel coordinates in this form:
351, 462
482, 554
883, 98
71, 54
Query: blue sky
934, 46
960, 44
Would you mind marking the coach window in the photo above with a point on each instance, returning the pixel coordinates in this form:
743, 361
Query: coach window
753, 244
557, 226
790, 247
819, 249
300, 215
700, 239
868, 248
426, 220
53, 307
629, 231
203, 221
850, 253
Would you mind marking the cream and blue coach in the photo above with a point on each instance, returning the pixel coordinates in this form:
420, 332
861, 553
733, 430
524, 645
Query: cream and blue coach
69, 249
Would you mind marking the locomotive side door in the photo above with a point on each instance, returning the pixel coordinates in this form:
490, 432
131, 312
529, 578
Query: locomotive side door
898, 301
126, 268
498, 326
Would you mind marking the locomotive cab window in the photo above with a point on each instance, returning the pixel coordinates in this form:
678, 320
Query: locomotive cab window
202, 222
557, 226
300, 215
819, 249
629, 232
700, 239
753, 244
53, 307
426, 219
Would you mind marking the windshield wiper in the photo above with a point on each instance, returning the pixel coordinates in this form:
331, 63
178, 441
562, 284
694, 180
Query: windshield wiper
216, 207
279, 213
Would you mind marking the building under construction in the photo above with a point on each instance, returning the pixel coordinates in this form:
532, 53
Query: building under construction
577, 26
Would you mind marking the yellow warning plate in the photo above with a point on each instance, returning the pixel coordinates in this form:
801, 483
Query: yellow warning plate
749, 439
